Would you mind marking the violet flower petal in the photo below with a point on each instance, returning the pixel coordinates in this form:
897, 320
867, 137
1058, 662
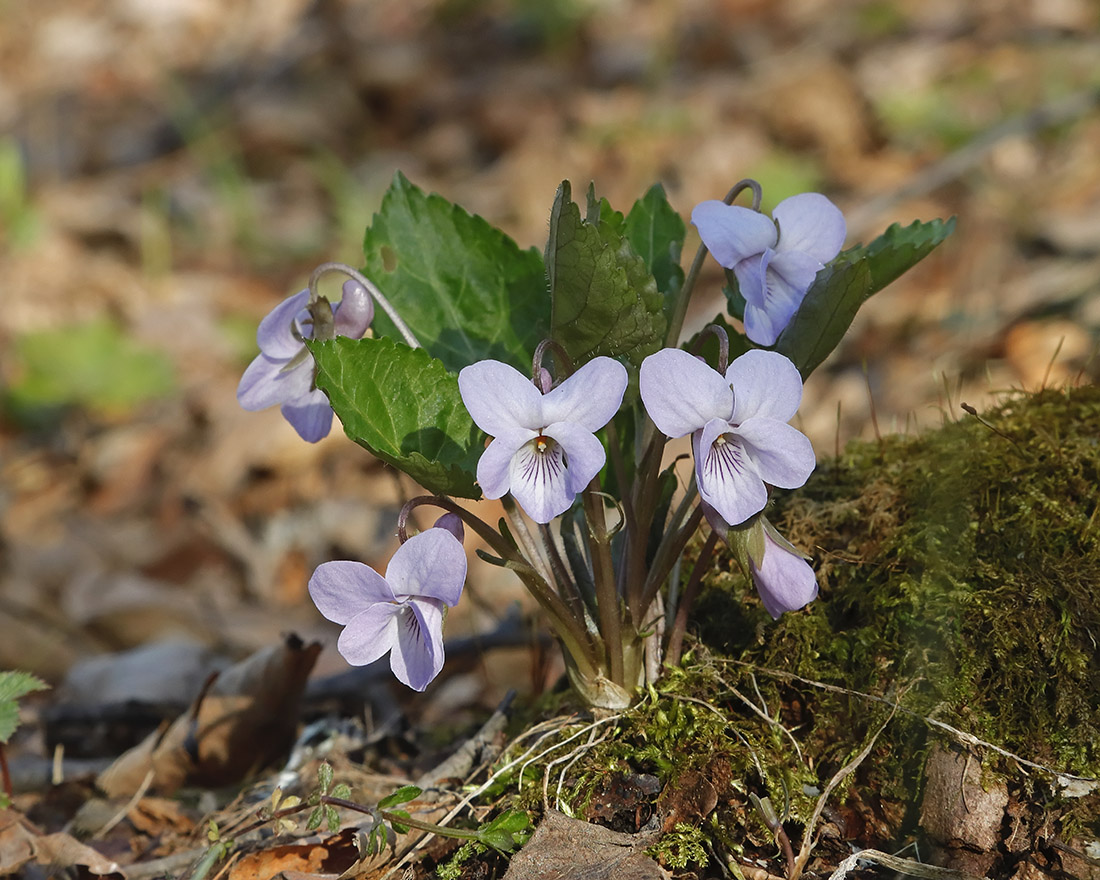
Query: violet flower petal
353, 314
343, 589
810, 223
273, 335
781, 454
766, 385
417, 654
752, 278
584, 454
725, 473
499, 398
784, 580
370, 634
681, 393
310, 416
494, 468
431, 564
732, 233
590, 397
264, 383
538, 480
762, 325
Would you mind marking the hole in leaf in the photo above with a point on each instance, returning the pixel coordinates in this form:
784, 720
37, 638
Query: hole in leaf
389, 258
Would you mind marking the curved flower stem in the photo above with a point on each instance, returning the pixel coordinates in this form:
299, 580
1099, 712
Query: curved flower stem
603, 572
559, 352
372, 289
567, 626
676, 633
676, 324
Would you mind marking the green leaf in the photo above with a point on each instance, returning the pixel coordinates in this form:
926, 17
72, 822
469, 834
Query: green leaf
465, 289
315, 818
403, 795
656, 232
325, 776
825, 314
507, 832
332, 818
898, 249
405, 408
845, 284
393, 816
14, 685
342, 790
605, 300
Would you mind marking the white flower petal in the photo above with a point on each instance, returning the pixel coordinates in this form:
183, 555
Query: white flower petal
781, 454
727, 479
810, 223
418, 655
765, 384
681, 393
370, 634
590, 397
494, 468
539, 482
274, 334
584, 454
785, 581
500, 398
431, 564
342, 589
732, 233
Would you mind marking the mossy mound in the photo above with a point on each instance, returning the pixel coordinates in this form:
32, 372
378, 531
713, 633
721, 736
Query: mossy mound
959, 573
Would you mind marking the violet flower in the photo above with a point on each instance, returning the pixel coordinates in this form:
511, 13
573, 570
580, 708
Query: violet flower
738, 424
402, 612
783, 578
775, 261
544, 449
283, 373
781, 574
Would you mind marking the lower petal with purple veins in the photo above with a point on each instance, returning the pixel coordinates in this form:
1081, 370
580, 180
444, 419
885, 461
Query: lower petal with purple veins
725, 474
538, 479
417, 655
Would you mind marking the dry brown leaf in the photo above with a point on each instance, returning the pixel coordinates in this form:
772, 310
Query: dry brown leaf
569, 849
244, 721
21, 842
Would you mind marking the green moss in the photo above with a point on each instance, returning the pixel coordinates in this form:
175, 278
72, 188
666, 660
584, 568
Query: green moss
959, 572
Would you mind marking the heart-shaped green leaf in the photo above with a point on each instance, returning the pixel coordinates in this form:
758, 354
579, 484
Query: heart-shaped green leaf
465, 288
404, 407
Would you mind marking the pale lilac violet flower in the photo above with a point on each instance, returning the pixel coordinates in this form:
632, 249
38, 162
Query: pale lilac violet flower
775, 261
283, 372
783, 578
402, 612
544, 449
738, 424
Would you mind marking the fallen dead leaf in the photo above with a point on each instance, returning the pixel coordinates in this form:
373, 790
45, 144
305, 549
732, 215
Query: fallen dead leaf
569, 849
21, 842
244, 721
